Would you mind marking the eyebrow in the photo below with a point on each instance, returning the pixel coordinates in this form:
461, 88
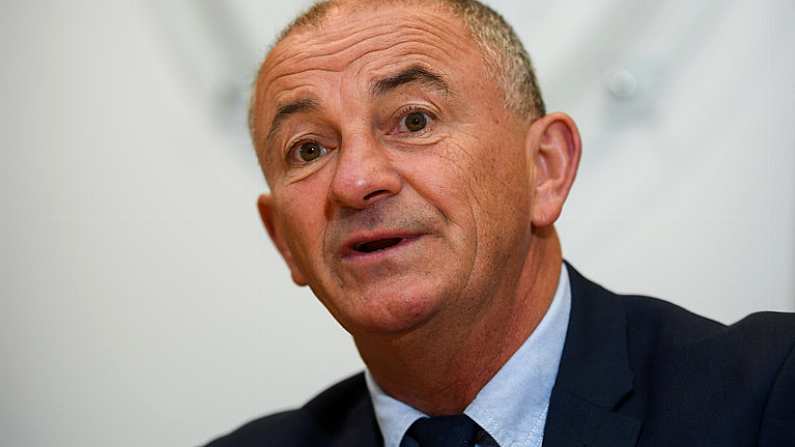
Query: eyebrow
415, 73
284, 111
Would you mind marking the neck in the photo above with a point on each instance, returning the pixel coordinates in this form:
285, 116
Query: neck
440, 367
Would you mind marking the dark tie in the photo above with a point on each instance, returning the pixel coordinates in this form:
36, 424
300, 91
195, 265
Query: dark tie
443, 431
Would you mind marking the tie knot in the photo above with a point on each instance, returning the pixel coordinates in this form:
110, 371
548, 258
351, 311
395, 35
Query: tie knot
444, 431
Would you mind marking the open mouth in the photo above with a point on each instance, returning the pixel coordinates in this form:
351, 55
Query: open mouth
377, 245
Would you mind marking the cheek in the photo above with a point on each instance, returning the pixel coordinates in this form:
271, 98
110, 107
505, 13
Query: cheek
487, 172
442, 177
488, 180
303, 222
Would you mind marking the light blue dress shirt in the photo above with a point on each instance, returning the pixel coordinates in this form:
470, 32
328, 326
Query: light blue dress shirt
512, 407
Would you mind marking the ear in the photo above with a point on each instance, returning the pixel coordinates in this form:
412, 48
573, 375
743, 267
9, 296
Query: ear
557, 149
267, 212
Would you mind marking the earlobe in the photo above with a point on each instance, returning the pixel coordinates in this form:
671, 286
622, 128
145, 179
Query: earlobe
557, 149
266, 212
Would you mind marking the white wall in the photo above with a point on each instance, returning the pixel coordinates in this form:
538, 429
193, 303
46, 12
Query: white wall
141, 303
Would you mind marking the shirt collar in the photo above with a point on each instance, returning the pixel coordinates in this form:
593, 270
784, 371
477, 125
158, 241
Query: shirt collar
393, 416
512, 406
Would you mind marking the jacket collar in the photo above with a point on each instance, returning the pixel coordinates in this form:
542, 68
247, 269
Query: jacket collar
594, 375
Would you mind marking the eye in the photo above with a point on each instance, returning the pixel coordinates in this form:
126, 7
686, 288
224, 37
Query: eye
415, 121
307, 152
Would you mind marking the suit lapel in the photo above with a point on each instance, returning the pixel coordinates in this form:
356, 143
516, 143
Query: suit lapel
343, 416
362, 429
594, 376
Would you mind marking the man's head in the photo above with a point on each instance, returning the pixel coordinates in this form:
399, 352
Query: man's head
409, 183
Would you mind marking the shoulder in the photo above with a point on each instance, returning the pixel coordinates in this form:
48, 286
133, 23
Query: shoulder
744, 371
665, 323
656, 325
692, 376
737, 378
650, 322
755, 346
321, 421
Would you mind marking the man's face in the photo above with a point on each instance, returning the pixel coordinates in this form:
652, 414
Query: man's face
401, 188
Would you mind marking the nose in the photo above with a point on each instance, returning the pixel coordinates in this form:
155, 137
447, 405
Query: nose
364, 173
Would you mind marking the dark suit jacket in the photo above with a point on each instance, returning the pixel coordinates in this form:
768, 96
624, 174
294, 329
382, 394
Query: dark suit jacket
635, 371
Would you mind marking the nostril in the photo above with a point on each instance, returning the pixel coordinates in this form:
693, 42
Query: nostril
375, 194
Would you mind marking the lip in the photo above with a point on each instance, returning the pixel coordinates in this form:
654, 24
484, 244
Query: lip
349, 252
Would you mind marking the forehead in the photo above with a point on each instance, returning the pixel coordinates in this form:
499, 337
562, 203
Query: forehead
347, 36
356, 46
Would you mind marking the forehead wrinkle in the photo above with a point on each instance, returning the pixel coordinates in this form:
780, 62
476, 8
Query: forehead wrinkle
333, 40
330, 42
342, 30
307, 51
322, 60
441, 31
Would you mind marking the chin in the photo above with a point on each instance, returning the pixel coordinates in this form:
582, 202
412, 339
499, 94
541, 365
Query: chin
393, 313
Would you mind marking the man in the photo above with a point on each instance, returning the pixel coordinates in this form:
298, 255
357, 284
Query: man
415, 180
